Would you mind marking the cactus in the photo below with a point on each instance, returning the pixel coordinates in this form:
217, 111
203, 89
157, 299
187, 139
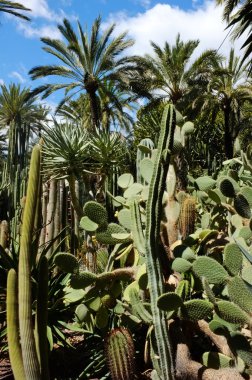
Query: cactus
209, 293
96, 212
153, 213
241, 206
41, 318
239, 294
216, 360
233, 258
119, 351
211, 269
204, 183
15, 352
187, 217
30, 359
169, 301
195, 310
82, 280
231, 313
144, 151
105, 235
137, 306
181, 265
228, 187
125, 180
67, 262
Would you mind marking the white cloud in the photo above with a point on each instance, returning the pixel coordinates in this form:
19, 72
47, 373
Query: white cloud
18, 76
38, 32
163, 22
1, 82
40, 8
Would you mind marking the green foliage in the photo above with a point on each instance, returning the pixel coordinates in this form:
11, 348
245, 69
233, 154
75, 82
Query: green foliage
210, 269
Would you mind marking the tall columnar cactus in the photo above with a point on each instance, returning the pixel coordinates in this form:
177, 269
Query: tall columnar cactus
119, 351
15, 352
187, 217
154, 269
30, 359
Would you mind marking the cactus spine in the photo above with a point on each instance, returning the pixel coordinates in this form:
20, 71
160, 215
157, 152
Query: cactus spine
154, 270
30, 359
15, 352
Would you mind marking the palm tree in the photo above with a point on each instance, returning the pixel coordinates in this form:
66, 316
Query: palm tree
13, 9
230, 93
20, 116
241, 20
86, 64
172, 75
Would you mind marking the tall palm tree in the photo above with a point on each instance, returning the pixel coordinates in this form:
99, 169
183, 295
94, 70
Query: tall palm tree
170, 73
20, 116
115, 112
230, 93
13, 9
238, 14
86, 63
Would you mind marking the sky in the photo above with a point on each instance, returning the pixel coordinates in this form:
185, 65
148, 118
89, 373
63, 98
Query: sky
145, 21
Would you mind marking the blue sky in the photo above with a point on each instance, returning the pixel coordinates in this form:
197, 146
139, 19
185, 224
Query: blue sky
145, 20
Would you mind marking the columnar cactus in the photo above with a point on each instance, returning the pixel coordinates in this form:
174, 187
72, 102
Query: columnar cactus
29, 354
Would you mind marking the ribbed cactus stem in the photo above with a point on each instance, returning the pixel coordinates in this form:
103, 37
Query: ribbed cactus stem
29, 354
41, 318
4, 234
154, 270
13, 327
119, 351
187, 217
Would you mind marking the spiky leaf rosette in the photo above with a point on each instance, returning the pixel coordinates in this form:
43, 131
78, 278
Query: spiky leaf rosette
120, 351
65, 150
233, 258
96, 212
231, 313
239, 294
211, 269
195, 310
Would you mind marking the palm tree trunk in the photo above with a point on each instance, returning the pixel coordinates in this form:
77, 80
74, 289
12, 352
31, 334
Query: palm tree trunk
94, 110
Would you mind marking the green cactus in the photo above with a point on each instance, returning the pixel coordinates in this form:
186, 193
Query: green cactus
241, 206
105, 235
120, 351
204, 183
169, 301
153, 214
211, 269
144, 151
15, 352
41, 318
231, 313
216, 360
96, 212
195, 310
82, 280
30, 358
125, 180
233, 258
228, 187
239, 294
146, 169
187, 217
137, 306
181, 265
209, 293
67, 262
